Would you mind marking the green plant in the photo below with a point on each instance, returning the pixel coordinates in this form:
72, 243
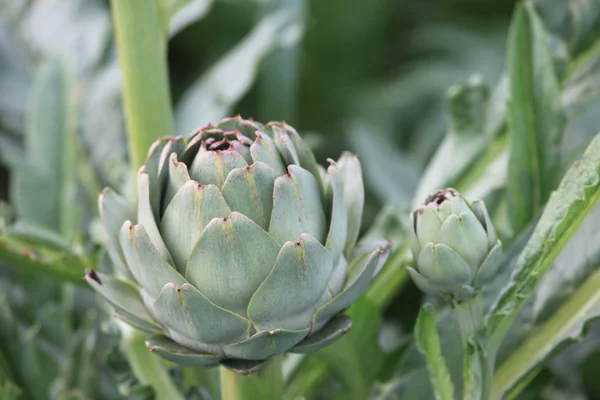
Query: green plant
81, 105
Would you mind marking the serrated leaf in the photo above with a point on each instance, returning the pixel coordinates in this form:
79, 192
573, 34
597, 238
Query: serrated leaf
568, 206
535, 117
211, 97
564, 303
566, 326
428, 343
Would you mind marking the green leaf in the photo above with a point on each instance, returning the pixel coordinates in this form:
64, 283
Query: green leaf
466, 135
178, 14
19, 351
557, 314
212, 96
535, 117
567, 208
568, 324
428, 343
61, 266
280, 76
44, 187
84, 35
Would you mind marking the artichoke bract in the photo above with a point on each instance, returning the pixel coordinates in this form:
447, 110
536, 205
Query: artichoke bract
243, 247
454, 245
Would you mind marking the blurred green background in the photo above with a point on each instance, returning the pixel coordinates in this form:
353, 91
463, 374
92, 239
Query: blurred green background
348, 74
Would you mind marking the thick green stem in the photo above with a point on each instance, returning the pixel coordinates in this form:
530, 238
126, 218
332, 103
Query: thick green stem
469, 315
147, 367
142, 56
267, 383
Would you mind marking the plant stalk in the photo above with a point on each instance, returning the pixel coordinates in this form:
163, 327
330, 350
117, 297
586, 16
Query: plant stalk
469, 315
142, 56
147, 367
267, 383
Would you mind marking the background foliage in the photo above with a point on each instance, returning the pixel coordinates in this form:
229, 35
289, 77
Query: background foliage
495, 102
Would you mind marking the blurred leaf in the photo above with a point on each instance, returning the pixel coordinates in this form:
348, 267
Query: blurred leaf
19, 350
9, 391
14, 84
212, 96
103, 117
565, 301
76, 30
535, 117
178, 14
280, 73
466, 136
428, 343
44, 186
388, 172
585, 15
63, 267
571, 368
412, 380
568, 206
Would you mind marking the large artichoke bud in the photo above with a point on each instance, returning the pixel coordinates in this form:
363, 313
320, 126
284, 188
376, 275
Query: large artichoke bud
454, 245
243, 246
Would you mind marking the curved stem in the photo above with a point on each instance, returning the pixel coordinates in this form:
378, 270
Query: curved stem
142, 56
147, 367
267, 383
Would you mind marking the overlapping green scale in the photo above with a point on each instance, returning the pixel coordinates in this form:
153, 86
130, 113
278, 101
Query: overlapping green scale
241, 246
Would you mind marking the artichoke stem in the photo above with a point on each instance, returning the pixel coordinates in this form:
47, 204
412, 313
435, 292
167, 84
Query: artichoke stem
266, 383
469, 314
147, 367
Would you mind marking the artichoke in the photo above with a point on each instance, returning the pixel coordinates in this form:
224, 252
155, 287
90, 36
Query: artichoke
243, 246
454, 245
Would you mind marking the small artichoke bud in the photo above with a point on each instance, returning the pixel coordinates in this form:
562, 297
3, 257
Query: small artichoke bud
454, 245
